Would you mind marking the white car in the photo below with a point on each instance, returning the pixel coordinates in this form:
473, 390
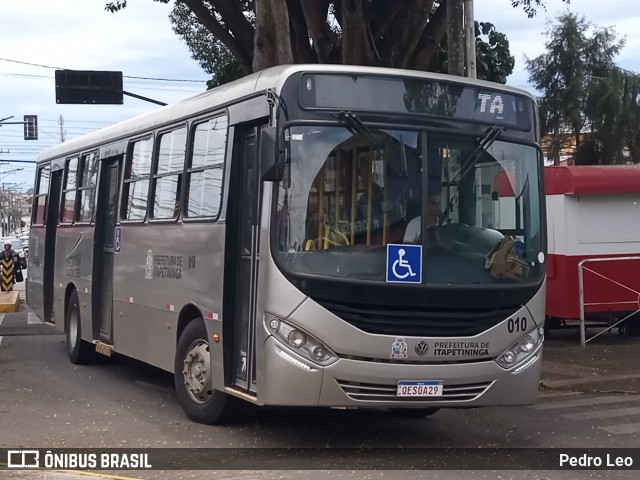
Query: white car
24, 240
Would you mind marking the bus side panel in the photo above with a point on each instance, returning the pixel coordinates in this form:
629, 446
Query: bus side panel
160, 269
74, 263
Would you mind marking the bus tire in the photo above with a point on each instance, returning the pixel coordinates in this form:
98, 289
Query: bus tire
413, 412
79, 351
192, 376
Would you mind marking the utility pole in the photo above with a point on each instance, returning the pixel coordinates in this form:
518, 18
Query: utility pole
5, 212
62, 130
470, 38
461, 38
455, 36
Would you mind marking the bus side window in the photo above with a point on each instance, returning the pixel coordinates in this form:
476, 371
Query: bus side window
204, 175
40, 203
168, 174
68, 207
136, 180
87, 187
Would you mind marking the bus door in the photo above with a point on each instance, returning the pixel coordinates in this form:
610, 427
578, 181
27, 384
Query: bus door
106, 245
243, 253
53, 210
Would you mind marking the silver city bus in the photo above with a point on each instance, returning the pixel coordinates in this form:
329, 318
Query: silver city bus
309, 235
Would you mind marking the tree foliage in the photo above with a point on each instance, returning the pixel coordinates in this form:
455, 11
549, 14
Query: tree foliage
581, 88
494, 61
231, 36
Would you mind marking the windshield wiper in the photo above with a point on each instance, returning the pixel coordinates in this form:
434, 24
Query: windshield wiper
356, 126
483, 144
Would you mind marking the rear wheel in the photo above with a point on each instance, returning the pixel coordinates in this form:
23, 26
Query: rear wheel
79, 351
193, 381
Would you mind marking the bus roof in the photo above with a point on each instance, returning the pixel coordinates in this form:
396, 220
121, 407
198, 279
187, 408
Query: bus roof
270, 78
592, 179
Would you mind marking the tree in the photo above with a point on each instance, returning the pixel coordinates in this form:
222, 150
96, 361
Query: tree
263, 33
631, 115
570, 74
212, 55
494, 61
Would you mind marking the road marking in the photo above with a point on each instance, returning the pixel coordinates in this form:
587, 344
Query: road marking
623, 428
32, 318
585, 402
617, 412
1, 318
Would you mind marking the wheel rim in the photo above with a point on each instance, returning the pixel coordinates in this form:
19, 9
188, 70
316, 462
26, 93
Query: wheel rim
195, 372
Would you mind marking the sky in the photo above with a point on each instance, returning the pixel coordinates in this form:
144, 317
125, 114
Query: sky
39, 36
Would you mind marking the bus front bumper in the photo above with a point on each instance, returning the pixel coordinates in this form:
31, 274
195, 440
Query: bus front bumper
289, 379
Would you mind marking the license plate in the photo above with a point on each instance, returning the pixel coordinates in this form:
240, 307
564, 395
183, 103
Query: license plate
427, 388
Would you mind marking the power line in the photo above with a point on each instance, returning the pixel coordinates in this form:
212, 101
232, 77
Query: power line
125, 76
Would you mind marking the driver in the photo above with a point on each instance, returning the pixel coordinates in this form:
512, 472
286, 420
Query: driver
413, 231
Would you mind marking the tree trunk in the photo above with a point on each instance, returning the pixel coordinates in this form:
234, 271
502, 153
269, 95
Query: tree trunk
324, 41
273, 35
356, 41
430, 40
241, 50
300, 46
455, 36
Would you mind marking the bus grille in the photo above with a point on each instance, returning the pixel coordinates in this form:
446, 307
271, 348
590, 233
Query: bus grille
371, 392
419, 323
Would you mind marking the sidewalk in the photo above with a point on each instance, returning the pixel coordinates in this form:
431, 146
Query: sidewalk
610, 365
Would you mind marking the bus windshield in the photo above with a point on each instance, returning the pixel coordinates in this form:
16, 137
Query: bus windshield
470, 203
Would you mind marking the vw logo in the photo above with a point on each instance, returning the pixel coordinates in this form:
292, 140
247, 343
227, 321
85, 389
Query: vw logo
422, 348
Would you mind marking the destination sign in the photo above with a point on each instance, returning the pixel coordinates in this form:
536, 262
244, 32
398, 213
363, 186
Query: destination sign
377, 93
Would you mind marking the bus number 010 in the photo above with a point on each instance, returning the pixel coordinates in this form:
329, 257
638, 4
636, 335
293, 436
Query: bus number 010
518, 324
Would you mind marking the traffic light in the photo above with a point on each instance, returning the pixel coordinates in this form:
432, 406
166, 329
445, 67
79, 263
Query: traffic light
88, 87
31, 127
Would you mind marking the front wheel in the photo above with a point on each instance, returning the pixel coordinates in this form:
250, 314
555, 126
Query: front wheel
79, 351
193, 381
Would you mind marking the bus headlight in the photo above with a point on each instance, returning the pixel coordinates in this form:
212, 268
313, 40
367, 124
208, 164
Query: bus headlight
522, 349
301, 342
296, 338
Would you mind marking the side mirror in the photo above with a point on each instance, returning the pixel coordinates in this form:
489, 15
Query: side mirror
495, 196
271, 158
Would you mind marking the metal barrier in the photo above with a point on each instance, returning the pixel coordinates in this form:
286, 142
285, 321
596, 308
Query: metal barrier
583, 330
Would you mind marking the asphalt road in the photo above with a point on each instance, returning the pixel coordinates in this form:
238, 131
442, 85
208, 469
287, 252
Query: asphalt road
46, 402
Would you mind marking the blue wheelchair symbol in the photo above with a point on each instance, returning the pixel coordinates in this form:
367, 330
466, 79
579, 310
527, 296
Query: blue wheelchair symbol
404, 263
